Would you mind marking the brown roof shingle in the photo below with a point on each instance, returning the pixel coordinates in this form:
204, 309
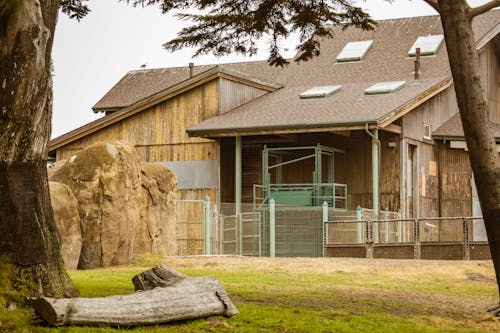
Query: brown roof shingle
139, 84
453, 129
387, 60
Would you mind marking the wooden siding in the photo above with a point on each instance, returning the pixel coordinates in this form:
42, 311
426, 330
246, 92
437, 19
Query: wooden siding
233, 94
490, 80
251, 171
390, 172
159, 133
428, 181
435, 112
455, 187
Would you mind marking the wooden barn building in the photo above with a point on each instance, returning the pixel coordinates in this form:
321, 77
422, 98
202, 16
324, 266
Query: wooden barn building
355, 126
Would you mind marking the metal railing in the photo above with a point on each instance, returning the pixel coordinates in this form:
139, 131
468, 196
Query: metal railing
312, 231
307, 194
414, 232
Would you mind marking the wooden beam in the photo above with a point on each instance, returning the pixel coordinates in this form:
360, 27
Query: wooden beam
274, 131
392, 128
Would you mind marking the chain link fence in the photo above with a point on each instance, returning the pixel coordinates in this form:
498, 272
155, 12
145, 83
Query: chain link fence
312, 231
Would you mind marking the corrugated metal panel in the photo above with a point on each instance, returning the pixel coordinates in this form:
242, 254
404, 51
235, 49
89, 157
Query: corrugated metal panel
194, 174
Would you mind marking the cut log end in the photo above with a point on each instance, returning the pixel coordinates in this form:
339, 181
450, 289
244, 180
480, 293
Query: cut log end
160, 276
46, 309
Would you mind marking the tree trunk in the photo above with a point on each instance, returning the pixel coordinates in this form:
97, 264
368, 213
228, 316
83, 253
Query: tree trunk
29, 240
180, 298
485, 162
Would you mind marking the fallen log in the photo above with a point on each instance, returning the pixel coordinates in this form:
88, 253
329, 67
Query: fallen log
179, 298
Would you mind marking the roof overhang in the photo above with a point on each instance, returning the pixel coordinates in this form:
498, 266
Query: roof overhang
397, 113
486, 38
173, 91
294, 129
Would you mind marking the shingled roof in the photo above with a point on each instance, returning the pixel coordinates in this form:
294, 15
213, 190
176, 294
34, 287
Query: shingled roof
139, 84
452, 129
387, 60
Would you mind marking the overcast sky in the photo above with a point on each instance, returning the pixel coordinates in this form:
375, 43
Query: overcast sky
92, 55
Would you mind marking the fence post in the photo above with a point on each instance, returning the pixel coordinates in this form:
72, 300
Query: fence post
387, 226
216, 231
272, 227
466, 240
206, 223
400, 229
325, 226
416, 234
240, 233
359, 225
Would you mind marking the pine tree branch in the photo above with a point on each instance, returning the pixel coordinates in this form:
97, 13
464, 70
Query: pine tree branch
484, 8
434, 4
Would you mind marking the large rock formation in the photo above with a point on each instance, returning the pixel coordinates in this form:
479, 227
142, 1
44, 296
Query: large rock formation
65, 208
155, 232
115, 209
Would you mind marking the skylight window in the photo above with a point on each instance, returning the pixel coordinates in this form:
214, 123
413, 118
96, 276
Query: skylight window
354, 51
428, 45
384, 87
320, 92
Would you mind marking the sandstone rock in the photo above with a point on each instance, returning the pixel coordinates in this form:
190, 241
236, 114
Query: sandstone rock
105, 179
155, 231
65, 206
126, 208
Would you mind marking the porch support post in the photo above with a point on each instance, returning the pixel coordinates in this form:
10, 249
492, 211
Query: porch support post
272, 228
375, 181
375, 172
237, 175
206, 223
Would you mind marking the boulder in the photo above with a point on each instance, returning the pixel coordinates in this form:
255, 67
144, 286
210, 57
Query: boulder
126, 207
155, 231
65, 206
105, 179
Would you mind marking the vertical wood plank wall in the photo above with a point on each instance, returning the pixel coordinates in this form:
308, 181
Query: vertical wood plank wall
455, 189
234, 94
490, 80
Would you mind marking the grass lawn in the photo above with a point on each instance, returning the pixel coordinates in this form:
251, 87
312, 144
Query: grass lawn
313, 295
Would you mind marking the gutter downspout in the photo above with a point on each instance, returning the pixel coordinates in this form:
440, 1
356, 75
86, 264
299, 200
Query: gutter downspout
375, 176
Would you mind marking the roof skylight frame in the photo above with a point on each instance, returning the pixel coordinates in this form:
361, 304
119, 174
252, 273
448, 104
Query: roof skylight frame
387, 87
354, 51
320, 91
429, 45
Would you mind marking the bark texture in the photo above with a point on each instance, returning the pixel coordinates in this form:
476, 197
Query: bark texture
456, 19
28, 236
183, 298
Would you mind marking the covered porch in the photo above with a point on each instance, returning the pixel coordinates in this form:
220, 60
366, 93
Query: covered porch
300, 172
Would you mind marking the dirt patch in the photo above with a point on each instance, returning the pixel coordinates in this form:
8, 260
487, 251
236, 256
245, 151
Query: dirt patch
449, 291
478, 277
